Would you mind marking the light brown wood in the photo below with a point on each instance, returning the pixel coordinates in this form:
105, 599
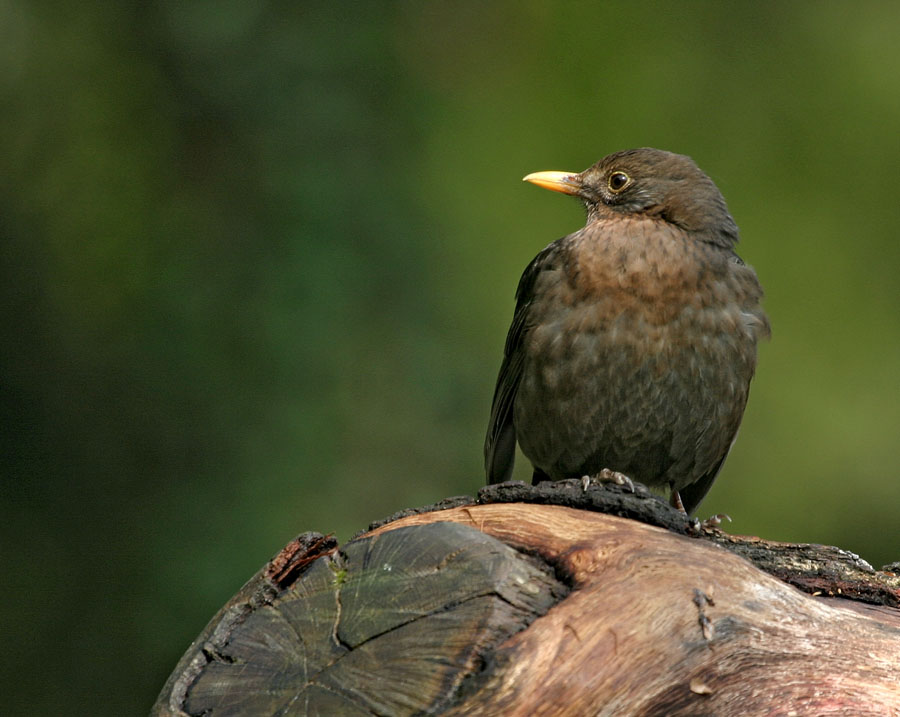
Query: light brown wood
662, 624
528, 601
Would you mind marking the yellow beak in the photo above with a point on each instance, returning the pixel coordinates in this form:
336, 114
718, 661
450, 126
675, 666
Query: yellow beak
565, 182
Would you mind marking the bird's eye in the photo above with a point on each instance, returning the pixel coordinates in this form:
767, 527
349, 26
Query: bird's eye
618, 181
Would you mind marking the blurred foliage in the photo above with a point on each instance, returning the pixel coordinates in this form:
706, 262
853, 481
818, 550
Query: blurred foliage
258, 262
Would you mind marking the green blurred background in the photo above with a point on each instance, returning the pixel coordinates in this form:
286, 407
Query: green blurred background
258, 262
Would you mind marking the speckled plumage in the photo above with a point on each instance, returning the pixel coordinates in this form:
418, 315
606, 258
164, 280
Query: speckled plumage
634, 339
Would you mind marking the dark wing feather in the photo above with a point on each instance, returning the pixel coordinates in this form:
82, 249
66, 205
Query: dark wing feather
500, 442
692, 494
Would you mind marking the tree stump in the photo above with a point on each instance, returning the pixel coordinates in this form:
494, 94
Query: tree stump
528, 601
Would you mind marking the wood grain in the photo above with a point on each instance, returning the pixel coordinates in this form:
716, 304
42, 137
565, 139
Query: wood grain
527, 601
661, 624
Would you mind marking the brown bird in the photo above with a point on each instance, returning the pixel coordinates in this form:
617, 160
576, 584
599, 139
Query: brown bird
634, 339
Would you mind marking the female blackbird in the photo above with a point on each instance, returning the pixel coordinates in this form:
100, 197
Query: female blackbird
634, 339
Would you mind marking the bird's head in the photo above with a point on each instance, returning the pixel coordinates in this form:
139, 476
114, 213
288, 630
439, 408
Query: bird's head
650, 182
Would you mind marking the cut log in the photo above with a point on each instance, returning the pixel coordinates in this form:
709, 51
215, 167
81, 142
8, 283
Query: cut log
523, 608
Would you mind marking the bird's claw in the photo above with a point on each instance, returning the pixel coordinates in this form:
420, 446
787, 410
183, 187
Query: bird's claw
714, 521
711, 523
608, 476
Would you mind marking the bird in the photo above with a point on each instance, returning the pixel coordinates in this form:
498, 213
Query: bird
634, 339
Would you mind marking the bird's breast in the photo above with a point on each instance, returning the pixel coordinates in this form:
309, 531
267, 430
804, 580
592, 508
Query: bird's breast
629, 345
640, 283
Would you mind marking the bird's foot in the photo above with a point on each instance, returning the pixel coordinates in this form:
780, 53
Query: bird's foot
607, 476
711, 523
714, 521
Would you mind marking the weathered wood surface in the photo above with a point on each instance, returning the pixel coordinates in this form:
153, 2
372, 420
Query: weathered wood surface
661, 624
391, 624
522, 608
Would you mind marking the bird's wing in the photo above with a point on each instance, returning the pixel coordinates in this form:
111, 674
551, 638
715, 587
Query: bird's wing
692, 494
500, 442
